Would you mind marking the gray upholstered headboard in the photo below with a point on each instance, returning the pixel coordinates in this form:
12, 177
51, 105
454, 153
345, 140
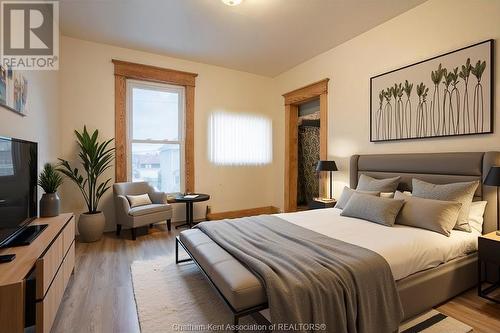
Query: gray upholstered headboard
439, 168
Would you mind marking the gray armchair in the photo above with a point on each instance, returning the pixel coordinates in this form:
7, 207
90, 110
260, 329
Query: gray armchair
139, 216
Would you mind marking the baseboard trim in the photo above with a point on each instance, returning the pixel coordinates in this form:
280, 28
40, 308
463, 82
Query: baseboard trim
241, 213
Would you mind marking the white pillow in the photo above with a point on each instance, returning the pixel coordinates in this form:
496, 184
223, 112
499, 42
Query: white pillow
476, 215
139, 200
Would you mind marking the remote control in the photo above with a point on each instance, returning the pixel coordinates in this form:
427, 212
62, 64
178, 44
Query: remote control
7, 257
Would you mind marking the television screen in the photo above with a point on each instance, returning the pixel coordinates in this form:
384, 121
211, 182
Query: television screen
18, 185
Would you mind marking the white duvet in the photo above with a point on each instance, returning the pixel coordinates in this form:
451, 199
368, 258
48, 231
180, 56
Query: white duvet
407, 250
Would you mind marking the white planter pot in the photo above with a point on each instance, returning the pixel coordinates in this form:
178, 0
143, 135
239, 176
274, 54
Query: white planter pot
91, 226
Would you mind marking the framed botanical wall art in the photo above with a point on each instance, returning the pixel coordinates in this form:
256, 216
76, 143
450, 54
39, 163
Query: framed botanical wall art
448, 95
13, 90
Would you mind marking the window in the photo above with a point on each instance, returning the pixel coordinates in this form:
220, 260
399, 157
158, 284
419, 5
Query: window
156, 135
240, 139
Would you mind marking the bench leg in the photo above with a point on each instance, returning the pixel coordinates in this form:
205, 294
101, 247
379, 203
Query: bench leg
169, 224
176, 251
236, 320
177, 261
133, 233
118, 229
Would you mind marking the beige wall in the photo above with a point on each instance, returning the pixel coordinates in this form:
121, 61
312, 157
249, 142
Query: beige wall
87, 97
432, 28
85, 87
42, 121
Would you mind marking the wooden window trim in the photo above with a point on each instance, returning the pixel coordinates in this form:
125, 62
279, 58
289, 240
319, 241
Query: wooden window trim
124, 70
292, 100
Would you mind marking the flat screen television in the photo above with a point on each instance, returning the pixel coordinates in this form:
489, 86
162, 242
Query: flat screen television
18, 186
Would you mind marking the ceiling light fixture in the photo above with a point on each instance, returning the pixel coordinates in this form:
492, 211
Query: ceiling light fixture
232, 2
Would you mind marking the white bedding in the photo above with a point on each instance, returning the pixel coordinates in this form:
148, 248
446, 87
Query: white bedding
407, 250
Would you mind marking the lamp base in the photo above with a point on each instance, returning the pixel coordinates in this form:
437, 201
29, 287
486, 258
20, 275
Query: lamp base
326, 200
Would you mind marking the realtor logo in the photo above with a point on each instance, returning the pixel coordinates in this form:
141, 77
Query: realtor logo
30, 35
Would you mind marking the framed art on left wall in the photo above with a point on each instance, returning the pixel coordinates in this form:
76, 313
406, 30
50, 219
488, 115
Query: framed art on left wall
447, 95
13, 90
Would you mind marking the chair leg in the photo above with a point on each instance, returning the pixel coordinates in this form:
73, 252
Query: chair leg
118, 229
133, 233
169, 224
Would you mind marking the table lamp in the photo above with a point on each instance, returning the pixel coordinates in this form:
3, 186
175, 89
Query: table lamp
493, 179
327, 166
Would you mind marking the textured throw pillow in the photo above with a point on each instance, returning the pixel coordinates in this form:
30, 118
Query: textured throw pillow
347, 194
460, 192
139, 200
435, 215
371, 208
476, 214
367, 183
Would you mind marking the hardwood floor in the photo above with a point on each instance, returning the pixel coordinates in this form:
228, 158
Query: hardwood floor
100, 296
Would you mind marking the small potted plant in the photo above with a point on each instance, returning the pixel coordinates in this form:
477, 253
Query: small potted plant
95, 158
49, 181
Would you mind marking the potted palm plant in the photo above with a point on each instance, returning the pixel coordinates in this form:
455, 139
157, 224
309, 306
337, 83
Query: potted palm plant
95, 158
49, 180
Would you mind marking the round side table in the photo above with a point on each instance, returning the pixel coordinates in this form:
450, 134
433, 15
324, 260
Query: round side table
189, 207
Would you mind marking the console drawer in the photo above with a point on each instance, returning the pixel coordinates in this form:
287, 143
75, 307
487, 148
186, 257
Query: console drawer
47, 266
46, 309
68, 264
68, 235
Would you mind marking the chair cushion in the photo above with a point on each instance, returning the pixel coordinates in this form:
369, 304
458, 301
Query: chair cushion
149, 209
239, 286
139, 200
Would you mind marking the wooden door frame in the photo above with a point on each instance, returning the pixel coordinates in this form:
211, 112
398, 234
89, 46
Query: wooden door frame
292, 100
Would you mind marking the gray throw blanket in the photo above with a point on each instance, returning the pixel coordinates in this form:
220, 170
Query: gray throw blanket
311, 278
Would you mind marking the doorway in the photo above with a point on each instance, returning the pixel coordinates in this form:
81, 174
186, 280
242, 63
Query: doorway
293, 100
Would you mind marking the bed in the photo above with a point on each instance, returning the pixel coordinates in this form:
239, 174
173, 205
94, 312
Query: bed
428, 268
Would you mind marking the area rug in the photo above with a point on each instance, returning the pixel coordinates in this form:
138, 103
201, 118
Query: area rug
178, 298
434, 322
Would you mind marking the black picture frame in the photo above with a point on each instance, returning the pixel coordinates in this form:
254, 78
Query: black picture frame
490, 72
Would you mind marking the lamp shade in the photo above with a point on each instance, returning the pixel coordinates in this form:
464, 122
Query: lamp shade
326, 166
493, 177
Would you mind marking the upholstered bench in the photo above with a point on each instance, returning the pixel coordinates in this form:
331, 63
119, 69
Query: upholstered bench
241, 290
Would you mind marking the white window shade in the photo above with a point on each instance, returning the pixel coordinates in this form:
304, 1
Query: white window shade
240, 139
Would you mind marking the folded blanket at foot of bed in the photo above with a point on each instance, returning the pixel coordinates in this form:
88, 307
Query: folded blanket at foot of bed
310, 278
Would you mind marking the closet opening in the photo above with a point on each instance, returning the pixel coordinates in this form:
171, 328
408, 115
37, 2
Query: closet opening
298, 104
309, 124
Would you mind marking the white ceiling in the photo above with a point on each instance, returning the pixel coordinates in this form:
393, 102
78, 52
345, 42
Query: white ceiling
264, 37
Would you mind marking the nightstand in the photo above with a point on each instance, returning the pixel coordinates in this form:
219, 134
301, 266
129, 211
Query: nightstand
488, 255
318, 203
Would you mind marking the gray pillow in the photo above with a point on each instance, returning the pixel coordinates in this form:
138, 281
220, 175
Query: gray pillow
435, 215
347, 193
367, 183
375, 209
459, 192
